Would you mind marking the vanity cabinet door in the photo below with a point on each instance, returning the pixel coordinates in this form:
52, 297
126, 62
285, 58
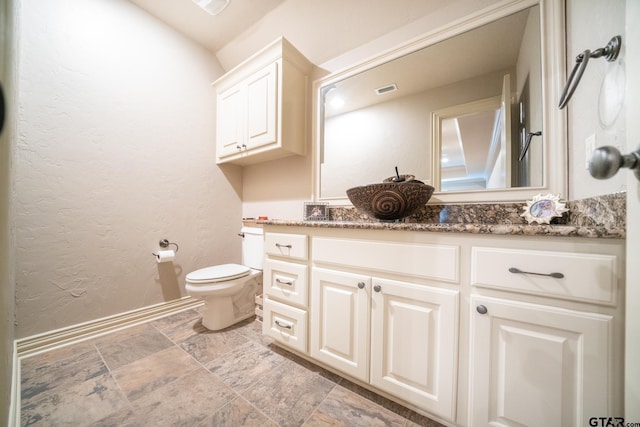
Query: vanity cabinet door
414, 342
340, 313
537, 365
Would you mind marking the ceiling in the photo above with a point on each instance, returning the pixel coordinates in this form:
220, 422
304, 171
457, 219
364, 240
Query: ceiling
323, 30
212, 32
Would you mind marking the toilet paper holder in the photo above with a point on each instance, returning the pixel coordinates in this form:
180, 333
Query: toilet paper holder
164, 243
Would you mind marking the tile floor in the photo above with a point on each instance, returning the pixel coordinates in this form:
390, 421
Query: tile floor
174, 372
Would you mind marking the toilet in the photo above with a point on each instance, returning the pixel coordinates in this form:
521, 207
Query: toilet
229, 290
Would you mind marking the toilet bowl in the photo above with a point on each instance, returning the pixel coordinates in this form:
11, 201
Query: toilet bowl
228, 290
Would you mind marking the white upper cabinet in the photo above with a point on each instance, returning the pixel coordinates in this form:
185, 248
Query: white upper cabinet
262, 107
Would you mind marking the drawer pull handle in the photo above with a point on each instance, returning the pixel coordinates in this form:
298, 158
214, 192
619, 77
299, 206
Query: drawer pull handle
283, 246
481, 309
283, 324
377, 288
361, 285
284, 282
554, 275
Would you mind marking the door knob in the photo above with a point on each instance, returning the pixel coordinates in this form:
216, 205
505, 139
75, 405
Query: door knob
361, 285
606, 161
377, 288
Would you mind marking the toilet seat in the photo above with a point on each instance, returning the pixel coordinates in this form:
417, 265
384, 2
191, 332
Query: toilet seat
218, 273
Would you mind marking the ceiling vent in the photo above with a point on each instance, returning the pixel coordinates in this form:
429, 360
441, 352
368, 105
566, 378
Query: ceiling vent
386, 89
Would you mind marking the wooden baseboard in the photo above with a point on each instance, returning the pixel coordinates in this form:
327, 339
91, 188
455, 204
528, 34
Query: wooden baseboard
60, 337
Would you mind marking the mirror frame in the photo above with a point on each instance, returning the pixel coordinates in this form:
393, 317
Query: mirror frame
553, 62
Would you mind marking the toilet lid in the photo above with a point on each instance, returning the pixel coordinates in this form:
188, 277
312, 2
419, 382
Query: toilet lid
218, 273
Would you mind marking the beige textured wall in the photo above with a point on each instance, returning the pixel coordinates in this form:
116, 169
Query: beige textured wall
597, 106
115, 151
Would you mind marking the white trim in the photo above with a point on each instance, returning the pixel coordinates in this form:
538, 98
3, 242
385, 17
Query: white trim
69, 335
14, 405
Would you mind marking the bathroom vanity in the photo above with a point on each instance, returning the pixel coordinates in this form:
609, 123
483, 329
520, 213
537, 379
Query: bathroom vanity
464, 327
474, 322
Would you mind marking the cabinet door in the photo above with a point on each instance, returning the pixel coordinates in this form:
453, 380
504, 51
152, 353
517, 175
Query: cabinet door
230, 121
339, 328
536, 365
262, 106
414, 341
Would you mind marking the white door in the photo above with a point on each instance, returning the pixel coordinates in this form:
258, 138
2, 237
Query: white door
340, 313
230, 122
632, 100
535, 365
414, 341
262, 106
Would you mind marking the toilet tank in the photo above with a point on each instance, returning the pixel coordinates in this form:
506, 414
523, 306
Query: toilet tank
252, 247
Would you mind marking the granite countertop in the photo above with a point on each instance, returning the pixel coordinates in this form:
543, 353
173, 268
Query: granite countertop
561, 230
598, 217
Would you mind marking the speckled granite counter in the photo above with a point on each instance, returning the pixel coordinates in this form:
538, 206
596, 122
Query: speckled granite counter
597, 217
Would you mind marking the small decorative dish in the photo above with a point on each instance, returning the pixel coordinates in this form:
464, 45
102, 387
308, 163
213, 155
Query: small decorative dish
542, 209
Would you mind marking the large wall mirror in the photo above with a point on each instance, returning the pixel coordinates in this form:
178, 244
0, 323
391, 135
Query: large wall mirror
470, 109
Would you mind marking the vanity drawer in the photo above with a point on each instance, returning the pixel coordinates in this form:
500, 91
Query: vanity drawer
292, 246
438, 262
587, 277
285, 324
287, 282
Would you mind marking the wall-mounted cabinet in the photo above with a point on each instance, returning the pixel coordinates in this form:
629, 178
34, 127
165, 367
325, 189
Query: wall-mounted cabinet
262, 107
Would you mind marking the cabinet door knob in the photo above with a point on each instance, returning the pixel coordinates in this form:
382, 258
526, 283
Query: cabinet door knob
238, 148
377, 288
361, 285
481, 309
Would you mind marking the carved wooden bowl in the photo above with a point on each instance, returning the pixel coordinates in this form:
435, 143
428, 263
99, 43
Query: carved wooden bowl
390, 201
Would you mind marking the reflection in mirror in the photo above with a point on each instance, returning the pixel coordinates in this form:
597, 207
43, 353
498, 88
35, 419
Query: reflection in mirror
400, 112
473, 147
